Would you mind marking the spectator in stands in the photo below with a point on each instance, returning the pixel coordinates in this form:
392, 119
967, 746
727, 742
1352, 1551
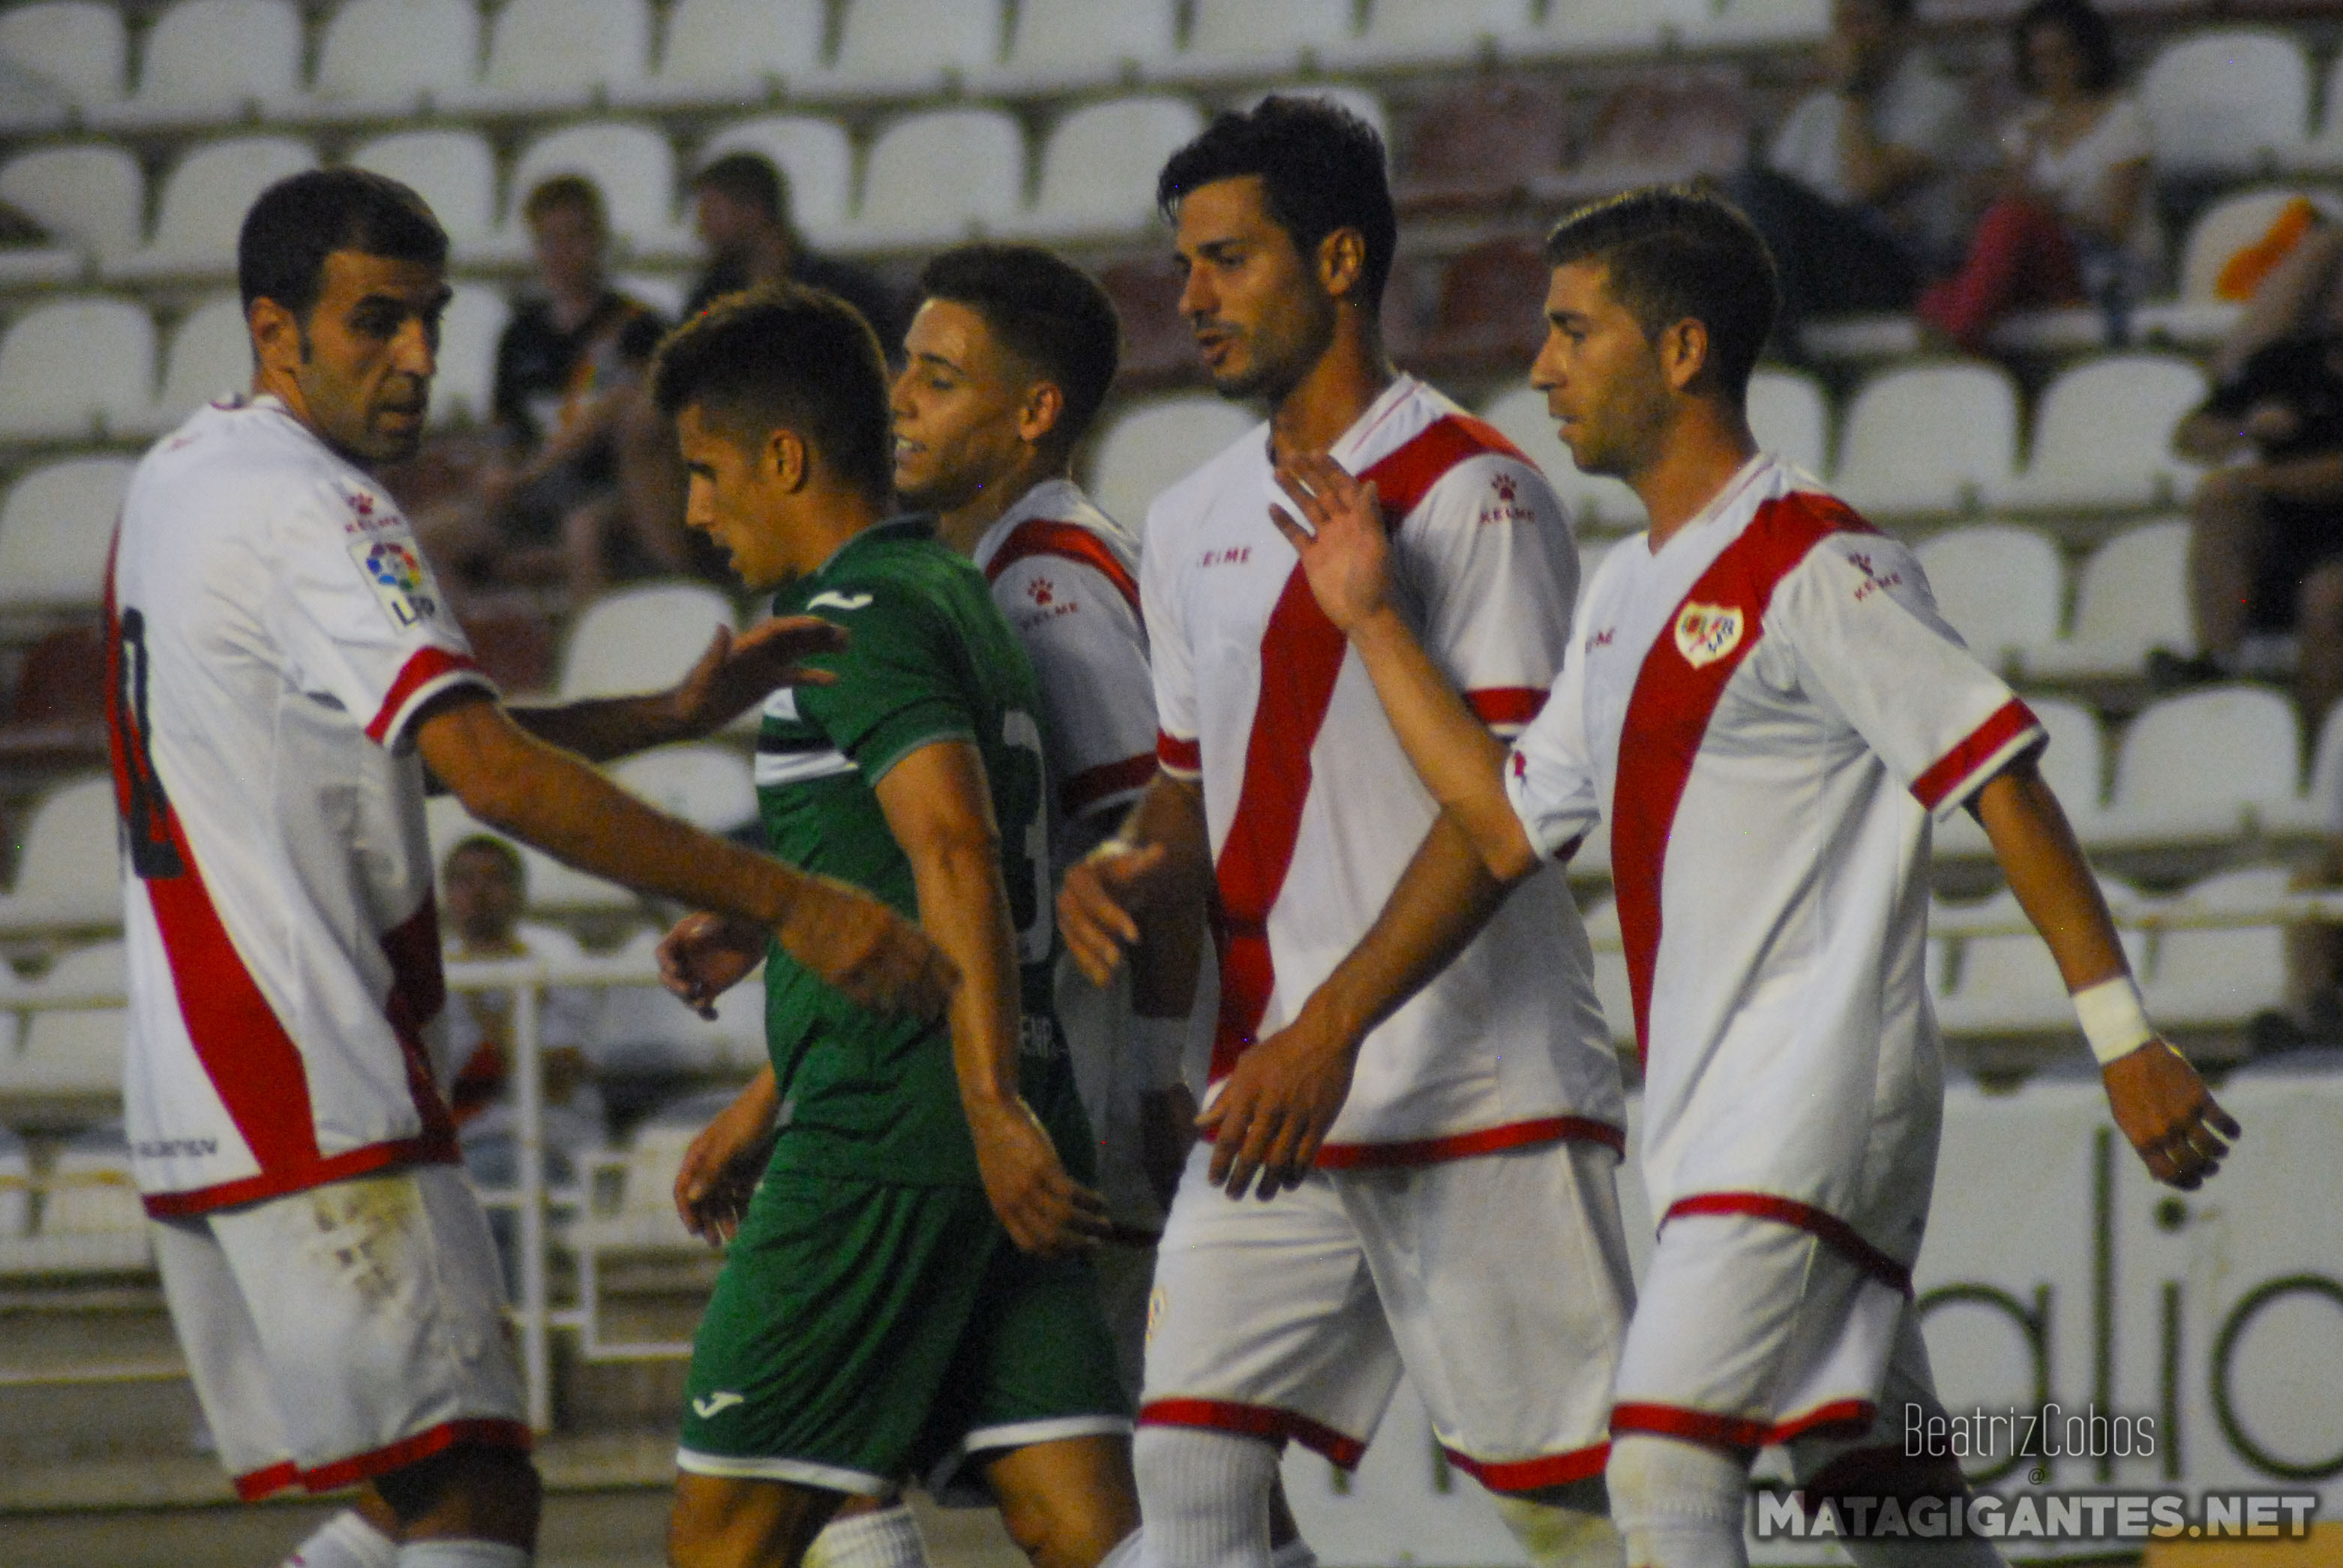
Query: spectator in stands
741, 204
1855, 197
483, 886
2073, 219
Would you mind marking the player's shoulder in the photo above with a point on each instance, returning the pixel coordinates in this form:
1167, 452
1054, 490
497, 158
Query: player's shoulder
247, 464
1235, 468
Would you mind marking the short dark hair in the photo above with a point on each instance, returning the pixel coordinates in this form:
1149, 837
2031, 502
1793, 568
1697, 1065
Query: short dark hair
296, 223
1047, 312
1673, 252
2083, 23
785, 356
503, 853
750, 178
574, 191
1322, 165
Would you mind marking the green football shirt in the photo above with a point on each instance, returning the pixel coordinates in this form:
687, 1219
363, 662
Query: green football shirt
928, 658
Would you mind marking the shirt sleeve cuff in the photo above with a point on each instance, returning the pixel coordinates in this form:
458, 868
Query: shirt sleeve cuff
427, 673
2010, 733
1182, 759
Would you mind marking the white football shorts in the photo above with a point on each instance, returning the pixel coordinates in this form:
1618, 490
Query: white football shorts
1498, 1282
340, 1332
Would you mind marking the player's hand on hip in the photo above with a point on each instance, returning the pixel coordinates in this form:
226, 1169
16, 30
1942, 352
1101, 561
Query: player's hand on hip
721, 1169
856, 943
707, 955
1276, 1108
2168, 1114
1100, 904
737, 672
1044, 1211
1345, 547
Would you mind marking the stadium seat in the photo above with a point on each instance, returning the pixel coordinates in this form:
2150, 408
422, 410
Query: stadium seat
210, 355
209, 62
92, 195
1491, 140
1062, 44
393, 59
1662, 129
1156, 343
73, 369
2130, 596
910, 47
2199, 314
728, 53
1928, 438
1594, 500
640, 638
942, 176
72, 1050
645, 1215
2228, 101
55, 529
1591, 29
15, 1173
2204, 766
68, 875
1241, 39
453, 170
1099, 166
645, 1030
815, 157
707, 785
1362, 102
2318, 811
2001, 586
1152, 444
465, 389
551, 55
204, 199
2009, 984
1755, 24
76, 52
2220, 977
1790, 416
1491, 312
2102, 434
91, 1218
1410, 34
633, 166
2073, 764
2322, 153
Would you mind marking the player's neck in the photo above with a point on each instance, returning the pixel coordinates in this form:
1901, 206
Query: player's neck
1333, 393
827, 519
962, 525
1707, 445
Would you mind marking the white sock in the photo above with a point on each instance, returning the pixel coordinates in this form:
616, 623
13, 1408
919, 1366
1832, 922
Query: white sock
1678, 1504
1559, 1537
1204, 1496
345, 1541
887, 1539
450, 1552
1294, 1553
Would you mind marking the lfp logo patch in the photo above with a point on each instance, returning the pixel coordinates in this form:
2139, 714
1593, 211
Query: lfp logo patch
400, 580
1708, 632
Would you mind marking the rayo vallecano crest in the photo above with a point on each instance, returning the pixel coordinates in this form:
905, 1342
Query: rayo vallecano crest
1708, 632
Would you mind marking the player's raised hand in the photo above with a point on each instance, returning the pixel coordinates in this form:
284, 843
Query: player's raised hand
737, 672
856, 943
707, 955
1276, 1108
1044, 1211
1101, 902
2168, 1114
1345, 547
721, 1169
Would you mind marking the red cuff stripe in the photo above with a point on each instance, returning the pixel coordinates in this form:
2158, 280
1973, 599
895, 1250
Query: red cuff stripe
426, 666
1842, 1418
349, 1472
1529, 1474
1953, 769
1463, 1145
1829, 1229
1092, 785
1186, 755
1261, 1421
1506, 704
1691, 1425
260, 1484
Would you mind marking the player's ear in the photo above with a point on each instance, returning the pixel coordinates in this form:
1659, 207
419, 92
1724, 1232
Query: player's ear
1043, 406
786, 459
1341, 262
276, 336
1683, 352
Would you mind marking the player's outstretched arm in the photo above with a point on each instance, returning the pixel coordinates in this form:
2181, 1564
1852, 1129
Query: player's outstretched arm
939, 811
521, 786
1276, 1108
2159, 1100
1142, 893
1346, 554
732, 675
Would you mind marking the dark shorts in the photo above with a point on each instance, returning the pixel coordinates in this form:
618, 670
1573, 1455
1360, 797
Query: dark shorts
2298, 538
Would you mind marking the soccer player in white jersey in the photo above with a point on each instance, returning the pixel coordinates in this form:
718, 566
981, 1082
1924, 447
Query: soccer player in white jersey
283, 670
1764, 704
1452, 1211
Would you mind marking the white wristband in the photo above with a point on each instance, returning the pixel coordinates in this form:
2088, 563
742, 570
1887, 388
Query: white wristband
2114, 1021
1162, 1046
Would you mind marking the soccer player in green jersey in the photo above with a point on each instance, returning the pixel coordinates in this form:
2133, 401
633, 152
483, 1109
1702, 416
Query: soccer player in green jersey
905, 1288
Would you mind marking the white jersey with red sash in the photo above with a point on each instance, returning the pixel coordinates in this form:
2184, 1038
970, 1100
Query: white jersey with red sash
1312, 808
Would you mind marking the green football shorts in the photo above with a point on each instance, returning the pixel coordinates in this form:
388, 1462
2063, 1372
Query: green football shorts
864, 1333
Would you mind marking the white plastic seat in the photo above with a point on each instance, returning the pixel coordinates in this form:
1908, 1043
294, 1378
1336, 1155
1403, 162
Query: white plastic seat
2102, 436
1245, 39
394, 57
633, 166
454, 171
76, 52
71, 368
1927, 438
551, 55
55, 529
2002, 587
1099, 166
213, 61
1750, 24
2010, 985
93, 195
2225, 227
15, 1181
2073, 763
210, 355
1154, 444
1595, 501
204, 199
2131, 596
708, 785
2227, 102
1789, 414
90, 1190
464, 392
731, 52
941, 176
2220, 975
1573, 29
813, 154
1414, 33
1061, 43
911, 47
640, 638
73, 1050
69, 877
2204, 766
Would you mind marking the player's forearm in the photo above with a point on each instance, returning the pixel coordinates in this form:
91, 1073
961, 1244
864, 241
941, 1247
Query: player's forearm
599, 728
2052, 881
964, 910
1169, 956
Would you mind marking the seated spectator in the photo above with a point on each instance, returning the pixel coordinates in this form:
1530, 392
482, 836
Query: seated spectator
1855, 196
740, 205
483, 888
2073, 220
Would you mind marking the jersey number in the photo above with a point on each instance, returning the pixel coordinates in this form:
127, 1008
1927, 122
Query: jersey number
147, 810
1028, 883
